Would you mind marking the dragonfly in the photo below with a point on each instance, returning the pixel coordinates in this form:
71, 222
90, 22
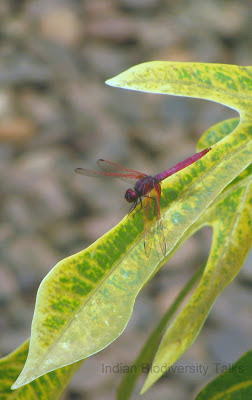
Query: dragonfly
145, 187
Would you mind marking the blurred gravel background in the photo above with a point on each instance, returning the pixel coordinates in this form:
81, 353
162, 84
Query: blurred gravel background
56, 114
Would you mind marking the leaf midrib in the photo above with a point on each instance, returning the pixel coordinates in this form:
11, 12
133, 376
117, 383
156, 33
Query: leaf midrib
130, 249
191, 186
188, 83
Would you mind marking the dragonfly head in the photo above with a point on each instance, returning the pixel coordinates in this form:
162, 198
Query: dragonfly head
131, 196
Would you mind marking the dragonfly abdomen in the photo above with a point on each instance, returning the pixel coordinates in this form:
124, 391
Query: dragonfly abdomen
181, 165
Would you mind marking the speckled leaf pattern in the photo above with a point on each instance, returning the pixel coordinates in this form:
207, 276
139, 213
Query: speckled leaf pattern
231, 221
47, 387
148, 351
210, 137
230, 85
233, 384
86, 300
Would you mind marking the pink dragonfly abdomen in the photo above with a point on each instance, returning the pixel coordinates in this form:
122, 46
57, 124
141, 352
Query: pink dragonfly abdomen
183, 164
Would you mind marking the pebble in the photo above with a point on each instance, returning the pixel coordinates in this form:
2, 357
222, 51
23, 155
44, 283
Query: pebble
226, 346
103, 60
17, 130
61, 25
114, 28
6, 102
246, 271
98, 8
45, 111
32, 258
8, 284
22, 69
134, 5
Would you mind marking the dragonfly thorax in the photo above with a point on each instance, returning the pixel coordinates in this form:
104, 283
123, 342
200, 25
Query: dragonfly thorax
145, 185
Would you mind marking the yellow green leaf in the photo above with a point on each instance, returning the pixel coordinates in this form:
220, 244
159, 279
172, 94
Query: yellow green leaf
47, 387
230, 217
146, 355
230, 85
233, 384
85, 302
217, 132
148, 351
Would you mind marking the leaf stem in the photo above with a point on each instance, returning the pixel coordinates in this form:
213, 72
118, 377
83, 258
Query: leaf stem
148, 351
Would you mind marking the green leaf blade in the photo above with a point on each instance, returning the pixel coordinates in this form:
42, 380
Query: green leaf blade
234, 384
147, 353
85, 302
231, 219
217, 132
230, 85
47, 387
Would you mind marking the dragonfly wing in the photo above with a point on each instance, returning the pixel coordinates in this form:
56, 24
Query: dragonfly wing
89, 172
123, 173
160, 228
162, 241
109, 166
93, 173
149, 232
147, 224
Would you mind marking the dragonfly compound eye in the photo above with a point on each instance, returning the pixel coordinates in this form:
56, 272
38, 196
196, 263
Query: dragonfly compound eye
131, 195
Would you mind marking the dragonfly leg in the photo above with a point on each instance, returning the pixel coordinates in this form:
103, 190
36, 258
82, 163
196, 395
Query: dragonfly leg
149, 197
152, 198
140, 201
132, 208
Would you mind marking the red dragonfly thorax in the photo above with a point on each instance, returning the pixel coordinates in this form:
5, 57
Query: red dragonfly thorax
142, 187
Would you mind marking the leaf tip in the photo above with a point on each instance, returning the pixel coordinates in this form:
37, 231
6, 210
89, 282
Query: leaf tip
146, 386
26, 376
21, 381
112, 82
